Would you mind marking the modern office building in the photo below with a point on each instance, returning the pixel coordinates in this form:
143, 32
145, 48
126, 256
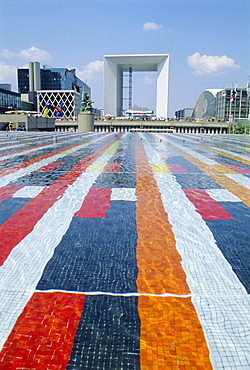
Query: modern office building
205, 107
9, 100
114, 68
57, 80
232, 104
48, 78
185, 113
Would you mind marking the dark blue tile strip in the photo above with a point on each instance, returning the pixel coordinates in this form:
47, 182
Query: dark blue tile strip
232, 237
96, 254
9, 206
108, 335
196, 181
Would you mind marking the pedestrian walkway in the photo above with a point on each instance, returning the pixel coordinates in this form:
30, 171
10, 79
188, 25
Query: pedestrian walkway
124, 251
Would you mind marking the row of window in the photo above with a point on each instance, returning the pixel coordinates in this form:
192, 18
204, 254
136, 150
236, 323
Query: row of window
9, 100
51, 80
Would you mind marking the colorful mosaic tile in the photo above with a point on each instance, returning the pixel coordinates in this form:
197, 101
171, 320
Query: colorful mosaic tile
124, 251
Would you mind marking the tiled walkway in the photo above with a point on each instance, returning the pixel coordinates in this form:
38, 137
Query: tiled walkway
124, 251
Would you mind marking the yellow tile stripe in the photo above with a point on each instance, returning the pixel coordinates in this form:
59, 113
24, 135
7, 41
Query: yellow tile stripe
112, 149
160, 167
96, 167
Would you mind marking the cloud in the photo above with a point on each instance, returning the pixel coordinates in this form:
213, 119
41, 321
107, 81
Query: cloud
7, 54
31, 54
210, 64
150, 26
92, 71
7, 74
34, 53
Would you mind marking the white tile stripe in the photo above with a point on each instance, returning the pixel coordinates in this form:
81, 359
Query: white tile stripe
240, 179
125, 194
222, 195
5, 180
129, 294
28, 192
217, 294
209, 161
199, 156
104, 158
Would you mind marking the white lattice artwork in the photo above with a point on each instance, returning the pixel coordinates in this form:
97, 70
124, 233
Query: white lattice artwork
70, 98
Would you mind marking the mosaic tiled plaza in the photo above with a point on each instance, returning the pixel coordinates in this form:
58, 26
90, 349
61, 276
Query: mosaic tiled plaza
124, 251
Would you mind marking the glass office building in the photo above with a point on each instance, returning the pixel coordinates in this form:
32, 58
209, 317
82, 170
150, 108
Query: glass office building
229, 108
64, 85
9, 100
52, 79
23, 80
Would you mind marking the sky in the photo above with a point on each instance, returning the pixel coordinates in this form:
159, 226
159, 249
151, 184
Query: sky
208, 42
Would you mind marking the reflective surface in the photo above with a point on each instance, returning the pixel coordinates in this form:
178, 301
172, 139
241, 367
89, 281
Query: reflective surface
124, 251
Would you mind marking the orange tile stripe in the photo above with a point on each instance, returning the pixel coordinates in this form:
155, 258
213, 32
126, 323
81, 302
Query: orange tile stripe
159, 268
171, 335
43, 335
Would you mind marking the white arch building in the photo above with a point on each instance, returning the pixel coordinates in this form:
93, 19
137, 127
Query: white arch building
115, 65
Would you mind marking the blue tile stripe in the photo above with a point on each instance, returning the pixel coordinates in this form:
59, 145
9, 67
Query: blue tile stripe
108, 335
91, 258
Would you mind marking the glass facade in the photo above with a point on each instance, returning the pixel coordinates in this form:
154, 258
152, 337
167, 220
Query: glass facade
53, 79
183, 113
9, 100
228, 109
23, 80
50, 80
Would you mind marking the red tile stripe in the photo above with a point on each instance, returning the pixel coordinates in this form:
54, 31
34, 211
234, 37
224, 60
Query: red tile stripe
43, 335
238, 169
206, 206
6, 192
176, 168
112, 167
14, 229
34, 160
96, 203
51, 166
